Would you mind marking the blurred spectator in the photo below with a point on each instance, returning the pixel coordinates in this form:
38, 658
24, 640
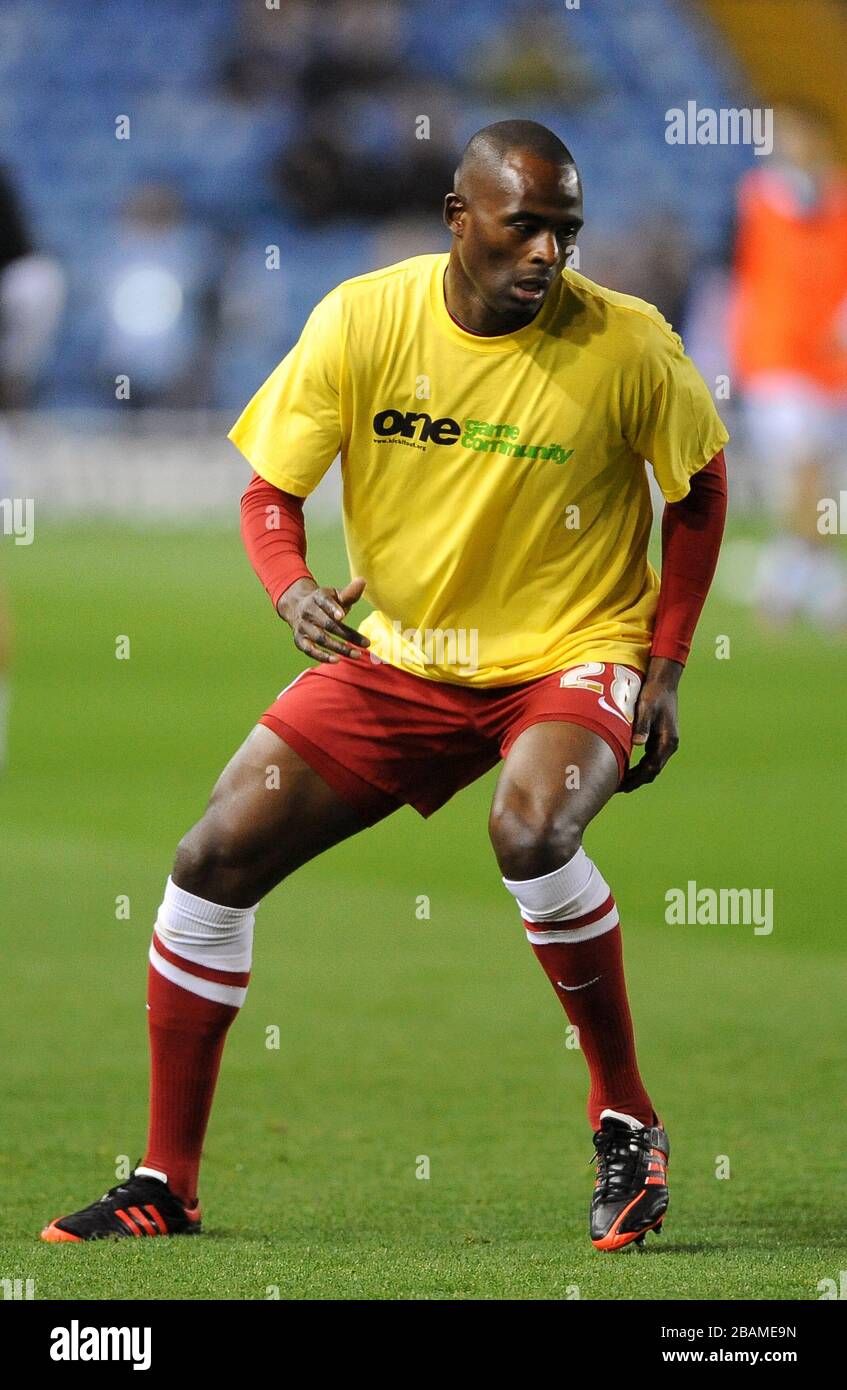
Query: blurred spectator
345, 116
32, 295
529, 59
252, 77
159, 301
358, 44
789, 341
399, 238
651, 258
286, 33
371, 156
376, 138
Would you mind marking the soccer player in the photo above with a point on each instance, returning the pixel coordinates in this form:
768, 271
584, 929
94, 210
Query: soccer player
494, 410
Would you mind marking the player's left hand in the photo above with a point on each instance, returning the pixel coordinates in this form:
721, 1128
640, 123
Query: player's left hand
655, 727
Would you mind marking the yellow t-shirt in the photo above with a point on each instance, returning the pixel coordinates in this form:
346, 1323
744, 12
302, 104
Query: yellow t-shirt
495, 493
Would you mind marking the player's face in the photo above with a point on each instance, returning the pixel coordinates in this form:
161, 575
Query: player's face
514, 230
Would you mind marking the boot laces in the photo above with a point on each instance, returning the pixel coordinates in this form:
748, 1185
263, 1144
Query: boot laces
121, 1189
618, 1154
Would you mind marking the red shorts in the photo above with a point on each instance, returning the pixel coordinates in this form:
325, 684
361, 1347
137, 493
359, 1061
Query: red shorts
383, 738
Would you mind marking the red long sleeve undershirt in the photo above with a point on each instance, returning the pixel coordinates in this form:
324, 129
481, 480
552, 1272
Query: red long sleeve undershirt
691, 540
274, 536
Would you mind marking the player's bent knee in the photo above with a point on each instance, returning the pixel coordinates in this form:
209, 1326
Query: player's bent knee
192, 862
213, 860
528, 845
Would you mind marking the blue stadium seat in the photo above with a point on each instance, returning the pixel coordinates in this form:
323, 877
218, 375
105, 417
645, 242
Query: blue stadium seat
67, 70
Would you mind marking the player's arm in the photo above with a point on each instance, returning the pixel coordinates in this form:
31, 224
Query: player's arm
692, 530
290, 432
274, 535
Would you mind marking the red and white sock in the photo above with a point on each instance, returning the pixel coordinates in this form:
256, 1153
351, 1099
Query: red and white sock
197, 980
572, 924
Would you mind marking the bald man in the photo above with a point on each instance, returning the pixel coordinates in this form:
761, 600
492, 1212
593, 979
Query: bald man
493, 410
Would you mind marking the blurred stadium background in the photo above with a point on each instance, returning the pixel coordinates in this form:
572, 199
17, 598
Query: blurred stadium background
179, 185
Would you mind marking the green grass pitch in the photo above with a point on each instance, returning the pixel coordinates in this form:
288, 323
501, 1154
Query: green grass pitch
401, 1037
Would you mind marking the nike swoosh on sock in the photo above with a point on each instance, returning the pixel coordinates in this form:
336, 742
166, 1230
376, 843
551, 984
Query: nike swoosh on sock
570, 988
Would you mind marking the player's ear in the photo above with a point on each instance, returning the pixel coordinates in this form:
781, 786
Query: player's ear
454, 213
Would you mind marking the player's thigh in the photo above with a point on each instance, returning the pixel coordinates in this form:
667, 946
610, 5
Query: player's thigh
554, 780
269, 812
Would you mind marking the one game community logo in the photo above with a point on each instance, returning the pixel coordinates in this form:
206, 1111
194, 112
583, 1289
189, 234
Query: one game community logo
415, 429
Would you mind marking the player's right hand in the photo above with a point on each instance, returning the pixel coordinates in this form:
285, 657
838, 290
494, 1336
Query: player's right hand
314, 615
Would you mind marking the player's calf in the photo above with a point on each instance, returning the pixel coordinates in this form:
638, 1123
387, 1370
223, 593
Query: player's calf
256, 830
567, 907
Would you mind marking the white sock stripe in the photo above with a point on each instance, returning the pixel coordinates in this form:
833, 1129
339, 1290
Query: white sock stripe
238, 959
207, 989
569, 891
142, 1172
202, 913
573, 866
572, 934
593, 894
206, 933
555, 888
619, 1115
